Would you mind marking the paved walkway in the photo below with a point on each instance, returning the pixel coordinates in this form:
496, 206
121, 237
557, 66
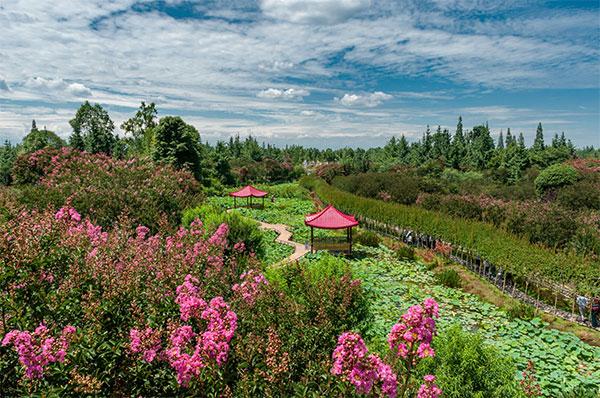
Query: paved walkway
285, 237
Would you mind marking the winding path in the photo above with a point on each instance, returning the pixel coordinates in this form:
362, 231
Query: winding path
285, 237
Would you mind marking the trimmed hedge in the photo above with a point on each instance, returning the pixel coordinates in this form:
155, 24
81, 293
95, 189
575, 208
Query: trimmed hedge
497, 246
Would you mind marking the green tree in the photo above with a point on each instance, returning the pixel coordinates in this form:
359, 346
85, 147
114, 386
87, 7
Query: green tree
458, 149
40, 139
139, 128
92, 129
538, 143
8, 155
480, 147
500, 144
177, 143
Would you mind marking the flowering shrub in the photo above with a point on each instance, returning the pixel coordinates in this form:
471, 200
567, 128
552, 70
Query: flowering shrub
250, 286
39, 349
104, 188
409, 341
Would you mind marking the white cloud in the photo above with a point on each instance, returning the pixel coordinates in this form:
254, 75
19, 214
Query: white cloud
313, 11
48, 86
369, 100
290, 93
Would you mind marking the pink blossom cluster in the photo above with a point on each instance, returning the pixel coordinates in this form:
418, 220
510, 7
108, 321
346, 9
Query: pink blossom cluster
68, 214
146, 342
39, 349
188, 299
250, 287
219, 237
429, 389
351, 362
411, 337
188, 352
210, 345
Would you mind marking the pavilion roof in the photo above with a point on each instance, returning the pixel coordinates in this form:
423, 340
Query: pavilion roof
248, 191
330, 218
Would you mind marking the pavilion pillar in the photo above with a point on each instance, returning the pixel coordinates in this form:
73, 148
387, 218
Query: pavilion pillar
350, 235
263, 205
312, 239
234, 202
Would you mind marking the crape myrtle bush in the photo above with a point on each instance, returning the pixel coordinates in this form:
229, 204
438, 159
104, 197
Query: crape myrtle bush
123, 312
499, 247
242, 230
104, 188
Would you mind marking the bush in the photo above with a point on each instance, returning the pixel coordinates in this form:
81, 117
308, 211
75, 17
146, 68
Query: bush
465, 367
581, 195
241, 229
449, 278
406, 253
521, 311
367, 238
555, 176
105, 189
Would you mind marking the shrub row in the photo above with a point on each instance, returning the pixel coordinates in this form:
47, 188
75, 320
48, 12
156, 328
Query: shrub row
503, 249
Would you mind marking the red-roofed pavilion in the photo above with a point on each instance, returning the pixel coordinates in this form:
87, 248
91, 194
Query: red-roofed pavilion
248, 192
331, 218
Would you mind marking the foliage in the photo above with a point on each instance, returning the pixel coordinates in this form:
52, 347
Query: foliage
564, 363
497, 246
40, 139
177, 143
140, 302
242, 230
555, 176
449, 278
367, 238
405, 252
104, 188
92, 129
466, 367
521, 311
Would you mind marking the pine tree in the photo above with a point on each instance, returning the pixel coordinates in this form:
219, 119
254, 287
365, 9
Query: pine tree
458, 145
510, 140
521, 140
500, 141
538, 143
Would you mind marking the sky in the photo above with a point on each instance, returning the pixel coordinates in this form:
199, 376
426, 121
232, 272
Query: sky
323, 73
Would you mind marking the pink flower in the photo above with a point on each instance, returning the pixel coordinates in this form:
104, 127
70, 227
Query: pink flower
38, 349
250, 287
429, 389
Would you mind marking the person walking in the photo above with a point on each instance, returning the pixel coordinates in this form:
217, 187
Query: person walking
595, 311
582, 303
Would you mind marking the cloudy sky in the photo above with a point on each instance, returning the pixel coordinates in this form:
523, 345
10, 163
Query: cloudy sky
315, 72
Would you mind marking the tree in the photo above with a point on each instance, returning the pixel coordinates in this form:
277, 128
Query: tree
40, 139
33, 125
510, 140
95, 128
8, 155
480, 147
177, 143
500, 141
139, 128
538, 143
458, 145
76, 141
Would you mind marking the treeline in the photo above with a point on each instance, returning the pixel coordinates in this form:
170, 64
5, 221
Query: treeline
172, 141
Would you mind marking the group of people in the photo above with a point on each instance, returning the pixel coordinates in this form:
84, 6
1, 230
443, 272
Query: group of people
593, 306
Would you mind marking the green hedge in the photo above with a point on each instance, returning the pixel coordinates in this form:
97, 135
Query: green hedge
497, 246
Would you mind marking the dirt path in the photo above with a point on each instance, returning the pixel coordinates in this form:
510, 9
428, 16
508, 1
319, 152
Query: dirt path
285, 237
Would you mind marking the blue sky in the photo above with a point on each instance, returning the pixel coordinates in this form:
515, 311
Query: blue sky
314, 72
